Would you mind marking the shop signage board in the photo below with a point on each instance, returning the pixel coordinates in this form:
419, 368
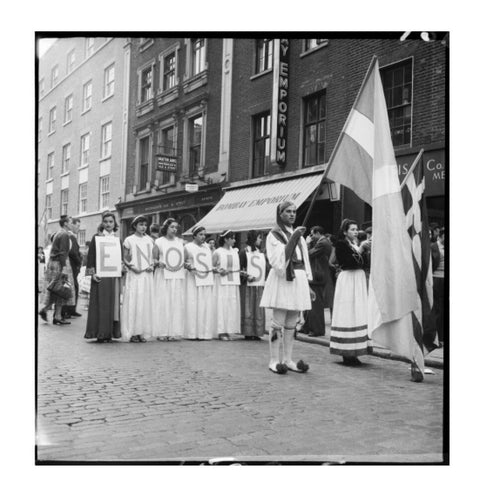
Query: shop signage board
434, 170
166, 163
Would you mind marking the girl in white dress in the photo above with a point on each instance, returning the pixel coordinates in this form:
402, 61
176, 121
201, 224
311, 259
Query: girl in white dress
227, 286
200, 305
286, 290
169, 283
138, 301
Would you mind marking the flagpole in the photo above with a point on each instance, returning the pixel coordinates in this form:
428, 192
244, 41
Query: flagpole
337, 144
412, 168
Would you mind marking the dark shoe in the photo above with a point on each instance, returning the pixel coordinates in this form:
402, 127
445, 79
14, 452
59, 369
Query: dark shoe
280, 368
75, 314
61, 322
141, 339
43, 315
66, 315
100, 340
134, 339
356, 362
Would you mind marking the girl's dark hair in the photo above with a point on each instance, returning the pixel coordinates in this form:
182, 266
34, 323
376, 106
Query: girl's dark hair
163, 229
225, 235
63, 220
344, 226
252, 238
139, 218
115, 223
362, 236
197, 230
154, 228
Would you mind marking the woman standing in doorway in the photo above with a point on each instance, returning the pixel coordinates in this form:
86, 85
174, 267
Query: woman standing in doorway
348, 336
169, 282
199, 301
103, 321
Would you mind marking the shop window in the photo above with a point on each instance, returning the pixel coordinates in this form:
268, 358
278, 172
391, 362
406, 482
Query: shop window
263, 55
314, 135
261, 144
397, 85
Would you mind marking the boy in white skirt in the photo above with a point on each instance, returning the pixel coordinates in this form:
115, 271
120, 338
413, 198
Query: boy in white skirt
286, 290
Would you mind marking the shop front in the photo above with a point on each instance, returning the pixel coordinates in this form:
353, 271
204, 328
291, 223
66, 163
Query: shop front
186, 208
434, 168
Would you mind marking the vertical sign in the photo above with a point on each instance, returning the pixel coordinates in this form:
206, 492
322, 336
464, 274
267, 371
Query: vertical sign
278, 151
109, 257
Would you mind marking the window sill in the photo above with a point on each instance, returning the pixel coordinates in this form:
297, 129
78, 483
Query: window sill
167, 96
103, 159
49, 180
105, 98
86, 110
82, 167
195, 82
315, 49
144, 107
260, 74
142, 192
67, 122
146, 45
63, 174
51, 132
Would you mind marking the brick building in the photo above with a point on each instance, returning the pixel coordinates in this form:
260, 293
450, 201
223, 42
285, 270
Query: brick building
298, 93
81, 136
175, 129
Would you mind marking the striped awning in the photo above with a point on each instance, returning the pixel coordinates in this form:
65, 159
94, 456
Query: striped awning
254, 206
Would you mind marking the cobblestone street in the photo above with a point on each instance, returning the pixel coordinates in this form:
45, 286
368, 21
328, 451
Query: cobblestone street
193, 400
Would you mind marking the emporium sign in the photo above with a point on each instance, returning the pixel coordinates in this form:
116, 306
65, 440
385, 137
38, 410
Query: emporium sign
166, 163
280, 102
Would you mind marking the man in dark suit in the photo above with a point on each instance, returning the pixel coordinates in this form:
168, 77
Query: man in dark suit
319, 250
75, 258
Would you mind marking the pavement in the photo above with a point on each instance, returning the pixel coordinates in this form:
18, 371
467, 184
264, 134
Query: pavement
434, 359
192, 401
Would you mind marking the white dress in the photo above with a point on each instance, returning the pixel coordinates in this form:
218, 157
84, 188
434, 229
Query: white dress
227, 296
200, 306
169, 284
278, 292
138, 299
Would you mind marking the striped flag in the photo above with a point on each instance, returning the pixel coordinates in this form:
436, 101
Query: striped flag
364, 161
414, 204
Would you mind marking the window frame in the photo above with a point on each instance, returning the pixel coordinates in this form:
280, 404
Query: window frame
106, 144
89, 48
101, 203
267, 47
161, 149
50, 165
82, 237
87, 97
68, 110
48, 206
63, 203
54, 75
84, 138
140, 165
392, 66
141, 71
52, 122
82, 198
319, 95
107, 83
191, 132
41, 87
263, 138
70, 60
66, 158
40, 128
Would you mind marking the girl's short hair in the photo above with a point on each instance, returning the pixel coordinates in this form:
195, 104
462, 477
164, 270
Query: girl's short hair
115, 223
164, 228
197, 230
225, 235
138, 218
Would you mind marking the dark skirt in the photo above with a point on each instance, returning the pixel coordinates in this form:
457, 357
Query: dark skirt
252, 315
103, 320
315, 318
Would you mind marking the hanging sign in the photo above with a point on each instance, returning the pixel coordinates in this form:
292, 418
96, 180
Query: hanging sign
166, 163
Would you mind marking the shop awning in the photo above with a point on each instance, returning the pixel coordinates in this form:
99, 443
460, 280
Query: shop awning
254, 206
